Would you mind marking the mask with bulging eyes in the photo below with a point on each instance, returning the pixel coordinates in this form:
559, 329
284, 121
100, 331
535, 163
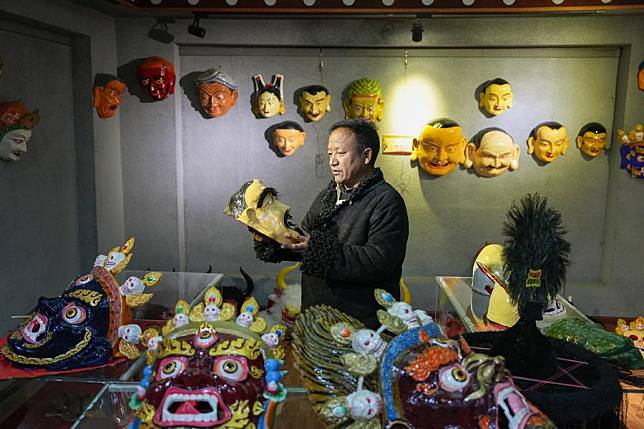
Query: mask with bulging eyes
257, 206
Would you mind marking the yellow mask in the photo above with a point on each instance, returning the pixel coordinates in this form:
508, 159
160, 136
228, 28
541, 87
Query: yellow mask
364, 99
548, 141
288, 140
492, 152
501, 310
314, 102
440, 147
496, 97
592, 139
257, 206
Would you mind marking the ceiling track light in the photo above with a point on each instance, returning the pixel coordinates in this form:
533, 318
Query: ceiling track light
195, 29
159, 31
417, 31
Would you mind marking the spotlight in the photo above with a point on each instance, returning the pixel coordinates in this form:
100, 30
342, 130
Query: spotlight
417, 31
195, 29
159, 31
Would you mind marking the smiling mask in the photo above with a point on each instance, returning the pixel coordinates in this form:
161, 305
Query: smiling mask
440, 147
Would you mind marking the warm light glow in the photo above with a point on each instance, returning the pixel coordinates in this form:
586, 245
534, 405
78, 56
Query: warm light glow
415, 102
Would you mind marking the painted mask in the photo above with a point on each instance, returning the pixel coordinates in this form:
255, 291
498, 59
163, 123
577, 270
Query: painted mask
632, 150
488, 264
440, 147
257, 206
108, 98
492, 152
217, 92
314, 102
268, 97
640, 77
82, 327
16, 122
548, 141
496, 97
288, 137
421, 379
157, 77
592, 139
364, 99
209, 374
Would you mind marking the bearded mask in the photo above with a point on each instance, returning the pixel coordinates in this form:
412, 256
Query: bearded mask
257, 206
314, 102
210, 374
81, 328
492, 152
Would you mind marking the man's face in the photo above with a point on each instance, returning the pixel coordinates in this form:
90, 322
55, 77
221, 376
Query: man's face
14, 144
347, 161
592, 143
107, 99
315, 106
495, 155
268, 104
549, 144
157, 82
365, 106
216, 98
288, 141
496, 99
439, 150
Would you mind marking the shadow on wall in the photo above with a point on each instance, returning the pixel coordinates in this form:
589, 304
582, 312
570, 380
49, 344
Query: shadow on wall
189, 88
127, 73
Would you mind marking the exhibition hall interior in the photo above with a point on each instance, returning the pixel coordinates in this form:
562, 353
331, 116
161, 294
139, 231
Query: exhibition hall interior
353, 214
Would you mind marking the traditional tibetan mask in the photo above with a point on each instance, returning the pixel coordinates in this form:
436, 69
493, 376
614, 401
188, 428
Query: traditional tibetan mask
440, 147
217, 92
632, 150
214, 374
157, 77
640, 77
592, 139
496, 97
268, 98
257, 206
16, 122
364, 99
548, 141
421, 379
492, 152
314, 102
288, 137
82, 327
108, 98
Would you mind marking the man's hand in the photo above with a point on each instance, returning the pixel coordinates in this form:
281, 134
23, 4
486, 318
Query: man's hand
300, 242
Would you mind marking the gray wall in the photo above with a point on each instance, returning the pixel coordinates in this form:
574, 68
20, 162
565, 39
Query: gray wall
565, 69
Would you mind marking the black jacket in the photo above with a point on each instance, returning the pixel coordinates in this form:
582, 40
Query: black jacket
354, 248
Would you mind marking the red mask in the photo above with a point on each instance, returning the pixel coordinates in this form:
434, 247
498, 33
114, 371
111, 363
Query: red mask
157, 77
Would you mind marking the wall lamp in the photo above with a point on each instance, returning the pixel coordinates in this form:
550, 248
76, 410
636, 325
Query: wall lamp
195, 29
417, 31
159, 31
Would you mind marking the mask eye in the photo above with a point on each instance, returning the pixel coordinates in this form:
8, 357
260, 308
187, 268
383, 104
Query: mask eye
85, 279
73, 314
440, 342
231, 368
171, 367
454, 378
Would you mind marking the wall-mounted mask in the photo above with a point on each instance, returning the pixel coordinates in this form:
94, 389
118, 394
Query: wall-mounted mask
257, 206
548, 141
364, 99
496, 96
440, 147
314, 102
288, 137
108, 98
212, 374
16, 123
268, 98
217, 92
421, 376
492, 152
82, 327
592, 139
632, 150
157, 77
640, 77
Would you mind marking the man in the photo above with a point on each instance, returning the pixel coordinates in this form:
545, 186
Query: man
314, 102
548, 141
440, 147
355, 233
492, 152
217, 92
496, 96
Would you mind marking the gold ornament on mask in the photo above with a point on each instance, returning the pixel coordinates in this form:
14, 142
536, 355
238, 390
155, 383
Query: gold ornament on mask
90, 297
246, 347
533, 279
